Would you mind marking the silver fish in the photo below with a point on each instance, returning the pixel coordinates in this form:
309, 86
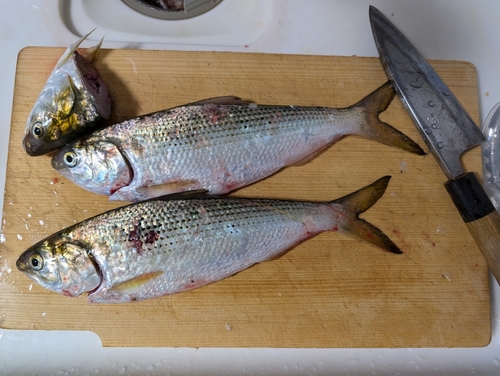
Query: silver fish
173, 244
217, 145
74, 100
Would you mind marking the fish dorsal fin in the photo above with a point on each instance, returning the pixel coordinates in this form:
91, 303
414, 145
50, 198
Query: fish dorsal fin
71, 49
225, 100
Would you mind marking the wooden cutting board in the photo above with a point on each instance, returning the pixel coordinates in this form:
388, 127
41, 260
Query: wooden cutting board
331, 291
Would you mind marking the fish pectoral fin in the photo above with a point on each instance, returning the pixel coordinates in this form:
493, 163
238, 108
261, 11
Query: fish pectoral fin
167, 188
225, 100
135, 283
70, 50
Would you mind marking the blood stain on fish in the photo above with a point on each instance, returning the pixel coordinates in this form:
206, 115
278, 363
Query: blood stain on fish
214, 112
135, 238
151, 237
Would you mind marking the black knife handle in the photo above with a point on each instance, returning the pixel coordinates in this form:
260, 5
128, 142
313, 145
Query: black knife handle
479, 215
469, 197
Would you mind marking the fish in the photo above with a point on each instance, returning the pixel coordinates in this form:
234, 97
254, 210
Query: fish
74, 100
171, 244
218, 145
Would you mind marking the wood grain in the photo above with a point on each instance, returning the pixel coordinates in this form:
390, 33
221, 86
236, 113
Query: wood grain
331, 291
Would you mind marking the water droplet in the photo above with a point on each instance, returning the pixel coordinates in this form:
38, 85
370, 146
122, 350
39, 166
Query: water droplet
44, 314
440, 144
228, 327
19, 236
440, 230
434, 126
417, 83
427, 130
446, 275
2, 238
431, 104
31, 287
496, 362
446, 93
41, 222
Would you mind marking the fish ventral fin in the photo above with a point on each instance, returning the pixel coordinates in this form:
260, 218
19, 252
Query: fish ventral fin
197, 193
375, 129
358, 202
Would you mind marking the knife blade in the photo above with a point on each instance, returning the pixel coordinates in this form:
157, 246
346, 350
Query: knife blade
446, 128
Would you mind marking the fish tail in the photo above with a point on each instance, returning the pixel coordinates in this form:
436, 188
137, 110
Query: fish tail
375, 129
358, 202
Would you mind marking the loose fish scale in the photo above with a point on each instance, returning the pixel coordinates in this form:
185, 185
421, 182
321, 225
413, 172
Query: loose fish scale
235, 144
199, 241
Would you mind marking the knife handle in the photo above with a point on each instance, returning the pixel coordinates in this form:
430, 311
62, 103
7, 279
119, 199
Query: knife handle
480, 216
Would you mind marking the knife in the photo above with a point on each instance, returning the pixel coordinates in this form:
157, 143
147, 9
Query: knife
446, 128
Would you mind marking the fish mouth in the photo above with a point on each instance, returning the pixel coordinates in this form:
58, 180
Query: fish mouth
21, 265
32, 147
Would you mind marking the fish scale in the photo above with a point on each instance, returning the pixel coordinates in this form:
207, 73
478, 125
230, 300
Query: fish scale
262, 140
170, 245
214, 146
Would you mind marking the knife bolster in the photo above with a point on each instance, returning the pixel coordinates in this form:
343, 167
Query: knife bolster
469, 197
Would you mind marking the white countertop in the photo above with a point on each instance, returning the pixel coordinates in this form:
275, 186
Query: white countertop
441, 29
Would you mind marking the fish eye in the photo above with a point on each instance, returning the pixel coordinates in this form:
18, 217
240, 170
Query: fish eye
36, 261
37, 130
70, 159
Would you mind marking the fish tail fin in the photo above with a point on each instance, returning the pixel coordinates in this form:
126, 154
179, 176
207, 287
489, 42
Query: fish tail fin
373, 128
358, 202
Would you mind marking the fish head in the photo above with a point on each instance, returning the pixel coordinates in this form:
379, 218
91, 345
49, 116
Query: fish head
52, 120
95, 165
64, 268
